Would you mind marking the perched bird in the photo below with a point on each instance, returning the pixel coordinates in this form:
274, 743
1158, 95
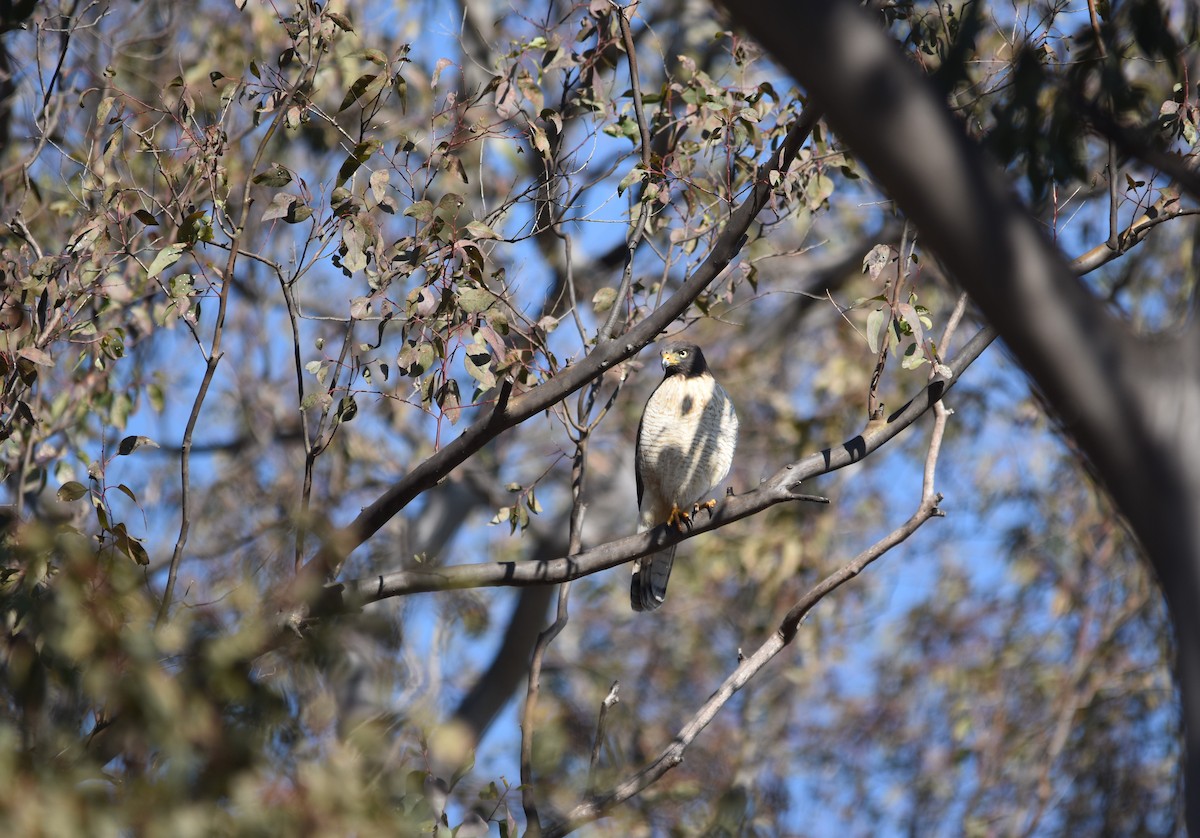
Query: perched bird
684, 449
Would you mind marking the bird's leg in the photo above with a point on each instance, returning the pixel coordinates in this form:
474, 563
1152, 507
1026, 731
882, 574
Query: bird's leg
680, 519
709, 504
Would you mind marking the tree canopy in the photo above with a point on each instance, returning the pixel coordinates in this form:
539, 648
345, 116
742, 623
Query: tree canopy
324, 340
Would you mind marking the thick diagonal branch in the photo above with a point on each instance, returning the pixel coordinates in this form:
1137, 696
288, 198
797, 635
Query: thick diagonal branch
1129, 403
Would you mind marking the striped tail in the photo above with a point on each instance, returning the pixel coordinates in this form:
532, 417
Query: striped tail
650, 574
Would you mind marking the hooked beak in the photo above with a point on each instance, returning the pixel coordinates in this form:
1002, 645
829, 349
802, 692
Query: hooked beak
669, 359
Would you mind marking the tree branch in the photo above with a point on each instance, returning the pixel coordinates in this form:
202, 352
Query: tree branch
214, 354
672, 755
1129, 403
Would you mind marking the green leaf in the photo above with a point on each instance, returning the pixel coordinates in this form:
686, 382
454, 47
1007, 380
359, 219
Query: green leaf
354, 239
478, 362
913, 320
379, 183
146, 217
195, 227
276, 176
361, 154
166, 257
818, 190
421, 210
475, 300
449, 399
103, 109
347, 409
341, 21
876, 260
132, 443
415, 360
636, 175
137, 552
366, 86
877, 323
38, 356
297, 213
914, 356
479, 231
288, 207
603, 300
71, 490
320, 399
181, 286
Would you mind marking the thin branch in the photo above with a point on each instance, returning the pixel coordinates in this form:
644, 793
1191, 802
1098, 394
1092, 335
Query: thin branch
578, 508
1113, 198
1164, 209
528, 790
672, 755
298, 363
643, 205
214, 355
601, 723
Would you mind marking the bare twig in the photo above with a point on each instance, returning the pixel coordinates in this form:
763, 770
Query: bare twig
214, 354
643, 206
601, 723
672, 755
578, 508
1114, 228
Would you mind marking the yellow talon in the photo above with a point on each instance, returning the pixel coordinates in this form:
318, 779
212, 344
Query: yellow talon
680, 519
709, 505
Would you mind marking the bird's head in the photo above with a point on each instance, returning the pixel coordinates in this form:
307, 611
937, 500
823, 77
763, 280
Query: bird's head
684, 359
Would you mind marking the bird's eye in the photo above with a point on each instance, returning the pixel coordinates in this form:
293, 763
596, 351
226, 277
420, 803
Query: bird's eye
682, 353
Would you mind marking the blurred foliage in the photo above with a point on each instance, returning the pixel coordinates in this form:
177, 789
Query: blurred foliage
292, 249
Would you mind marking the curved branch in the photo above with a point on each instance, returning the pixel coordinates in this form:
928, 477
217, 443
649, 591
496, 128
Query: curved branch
672, 755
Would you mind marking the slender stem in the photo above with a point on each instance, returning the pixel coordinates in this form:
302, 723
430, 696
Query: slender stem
214, 357
601, 723
639, 230
293, 318
672, 755
528, 788
1114, 228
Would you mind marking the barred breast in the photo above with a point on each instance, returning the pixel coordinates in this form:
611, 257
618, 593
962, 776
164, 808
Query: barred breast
688, 436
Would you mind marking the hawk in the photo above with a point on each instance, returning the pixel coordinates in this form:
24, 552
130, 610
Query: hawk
684, 449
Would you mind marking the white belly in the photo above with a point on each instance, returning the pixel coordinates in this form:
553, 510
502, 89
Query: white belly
688, 435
